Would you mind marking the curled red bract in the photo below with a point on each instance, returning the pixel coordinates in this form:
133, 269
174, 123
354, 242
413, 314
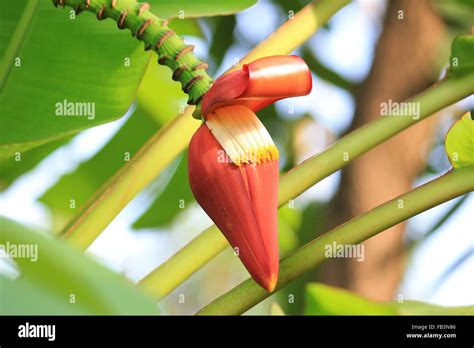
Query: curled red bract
259, 84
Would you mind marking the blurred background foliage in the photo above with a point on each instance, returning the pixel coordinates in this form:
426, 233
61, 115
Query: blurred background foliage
342, 57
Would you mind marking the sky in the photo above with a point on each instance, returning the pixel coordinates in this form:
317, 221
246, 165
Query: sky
348, 49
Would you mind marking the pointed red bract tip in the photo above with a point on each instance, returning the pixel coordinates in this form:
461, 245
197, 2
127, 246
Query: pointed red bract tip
272, 283
259, 84
241, 200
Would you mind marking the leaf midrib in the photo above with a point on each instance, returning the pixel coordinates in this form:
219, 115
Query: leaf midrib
17, 40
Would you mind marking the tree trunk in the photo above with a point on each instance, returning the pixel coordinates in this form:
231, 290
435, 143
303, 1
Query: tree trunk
403, 66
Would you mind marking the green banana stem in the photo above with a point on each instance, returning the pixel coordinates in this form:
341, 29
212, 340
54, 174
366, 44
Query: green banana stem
451, 185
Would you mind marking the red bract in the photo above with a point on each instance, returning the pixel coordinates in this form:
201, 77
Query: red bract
233, 162
242, 202
259, 84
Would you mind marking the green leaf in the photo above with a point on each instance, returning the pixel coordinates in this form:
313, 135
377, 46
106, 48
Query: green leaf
326, 300
171, 201
62, 280
159, 96
198, 8
422, 308
159, 99
288, 225
81, 184
19, 297
186, 27
223, 38
20, 163
459, 142
457, 14
290, 5
47, 58
462, 55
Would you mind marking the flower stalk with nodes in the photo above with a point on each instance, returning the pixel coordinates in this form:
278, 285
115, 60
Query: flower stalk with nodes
172, 51
239, 191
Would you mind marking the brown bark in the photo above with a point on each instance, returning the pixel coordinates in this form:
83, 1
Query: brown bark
402, 67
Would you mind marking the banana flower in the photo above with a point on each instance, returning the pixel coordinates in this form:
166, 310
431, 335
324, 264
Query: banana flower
233, 161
